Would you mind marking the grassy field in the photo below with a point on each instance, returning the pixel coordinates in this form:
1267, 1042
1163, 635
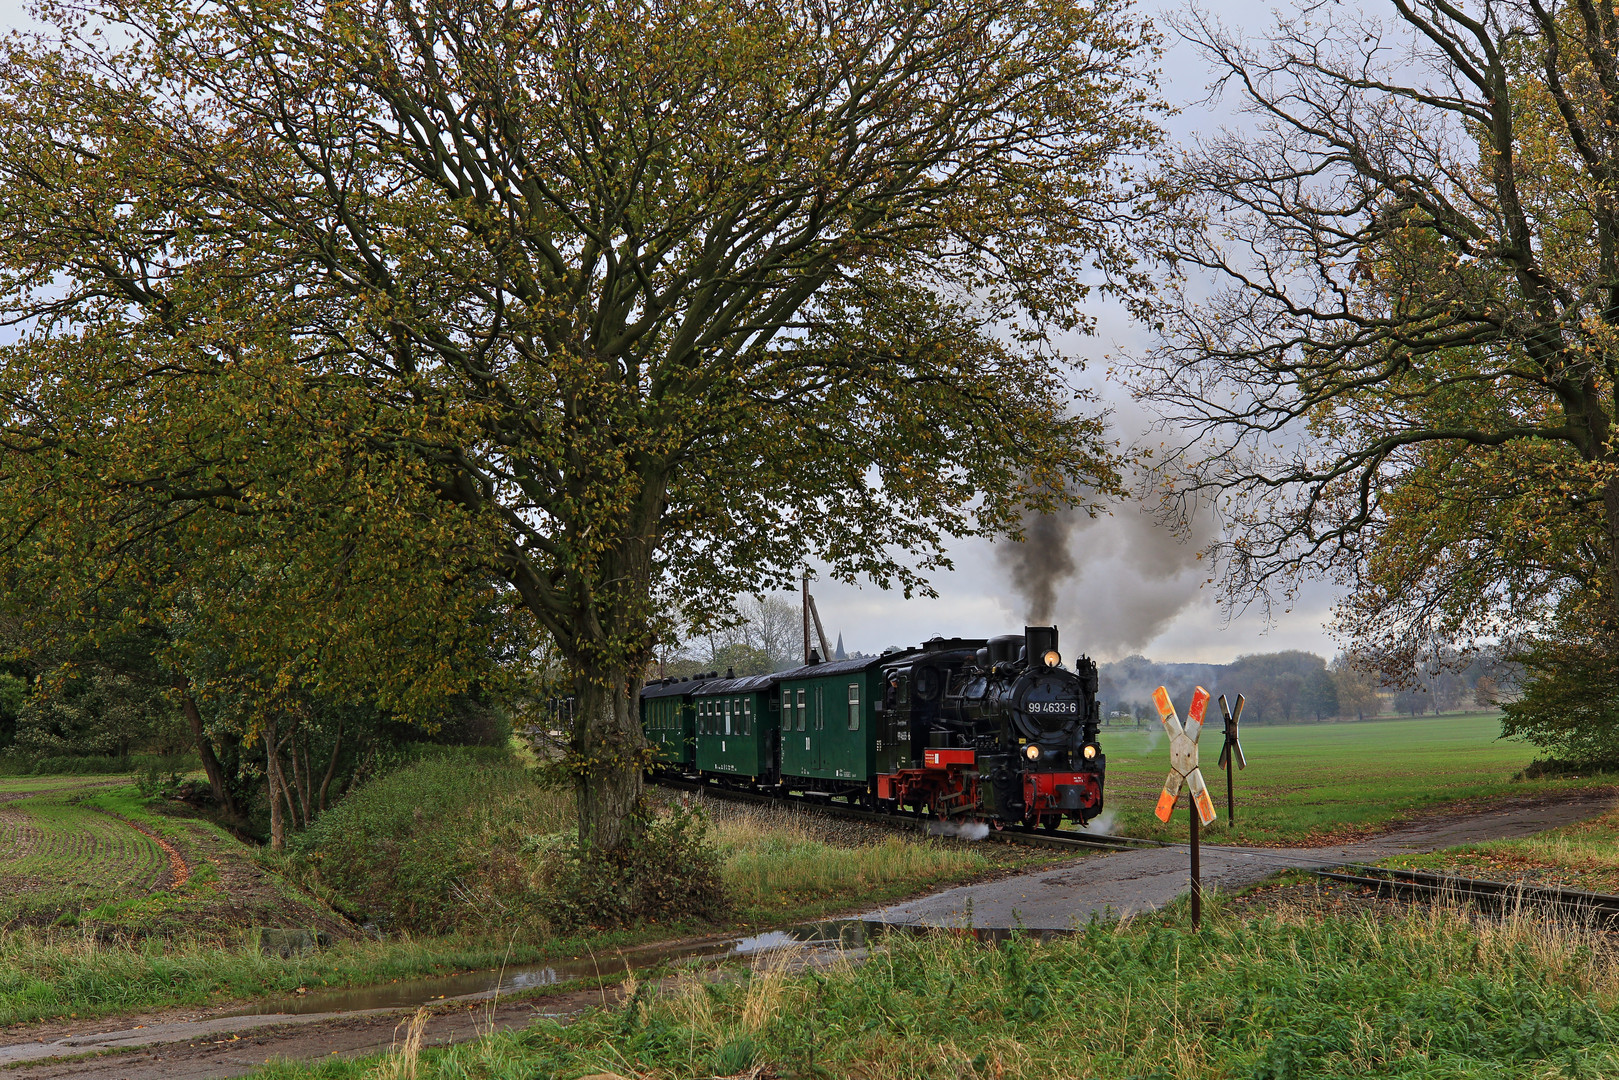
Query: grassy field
1310, 782
1292, 994
784, 864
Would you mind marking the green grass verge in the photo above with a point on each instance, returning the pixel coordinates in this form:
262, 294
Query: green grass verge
1584, 855
58, 975
1291, 994
1311, 781
784, 864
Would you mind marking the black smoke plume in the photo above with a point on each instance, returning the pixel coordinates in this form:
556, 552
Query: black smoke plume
1042, 561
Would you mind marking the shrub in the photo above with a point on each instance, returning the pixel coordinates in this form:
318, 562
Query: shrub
15, 764
669, 872
1569, 707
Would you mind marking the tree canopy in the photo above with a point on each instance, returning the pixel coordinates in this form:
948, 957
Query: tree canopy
607, 306
1405, 376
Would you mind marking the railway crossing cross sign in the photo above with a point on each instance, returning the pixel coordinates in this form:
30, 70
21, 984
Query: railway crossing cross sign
1183, 769
1231, 755
1183, 755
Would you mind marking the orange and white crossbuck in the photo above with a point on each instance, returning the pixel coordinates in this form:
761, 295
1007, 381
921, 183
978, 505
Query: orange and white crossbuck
1183, 755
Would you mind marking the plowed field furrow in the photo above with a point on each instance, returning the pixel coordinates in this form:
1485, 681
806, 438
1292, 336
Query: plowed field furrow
48, 838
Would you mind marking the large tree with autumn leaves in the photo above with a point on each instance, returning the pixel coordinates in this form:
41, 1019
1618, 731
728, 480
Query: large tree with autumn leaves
1406, 375
628, 303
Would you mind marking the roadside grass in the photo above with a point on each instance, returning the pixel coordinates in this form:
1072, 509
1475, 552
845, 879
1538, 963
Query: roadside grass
1430, 993
55, 974
785, 863
1314, 782
1584, 855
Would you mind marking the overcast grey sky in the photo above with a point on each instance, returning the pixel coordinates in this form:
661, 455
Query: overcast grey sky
1136, 589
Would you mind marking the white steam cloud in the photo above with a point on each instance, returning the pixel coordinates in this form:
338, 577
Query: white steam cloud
1103, 823
962, 830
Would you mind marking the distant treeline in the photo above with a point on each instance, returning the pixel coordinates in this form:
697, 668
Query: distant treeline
1290, 686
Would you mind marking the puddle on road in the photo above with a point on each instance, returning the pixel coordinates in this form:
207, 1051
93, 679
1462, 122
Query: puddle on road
843, 935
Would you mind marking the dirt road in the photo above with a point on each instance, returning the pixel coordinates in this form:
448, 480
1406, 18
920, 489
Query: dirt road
224, 1047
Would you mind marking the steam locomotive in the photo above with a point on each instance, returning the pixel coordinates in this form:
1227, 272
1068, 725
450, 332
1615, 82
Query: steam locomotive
998, 730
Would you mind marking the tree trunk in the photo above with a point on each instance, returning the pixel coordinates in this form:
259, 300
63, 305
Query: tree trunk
610, 747
205, 748
278, 827
331, 767
1610, 511
286, 793
300, 783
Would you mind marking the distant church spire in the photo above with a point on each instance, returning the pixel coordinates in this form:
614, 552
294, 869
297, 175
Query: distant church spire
838, 653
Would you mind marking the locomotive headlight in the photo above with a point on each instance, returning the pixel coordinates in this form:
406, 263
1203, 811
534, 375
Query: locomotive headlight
1090, 752
1052, 658
1032, 752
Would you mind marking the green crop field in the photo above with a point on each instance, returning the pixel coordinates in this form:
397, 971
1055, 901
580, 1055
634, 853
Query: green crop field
60, 855
89, 851
1312, 781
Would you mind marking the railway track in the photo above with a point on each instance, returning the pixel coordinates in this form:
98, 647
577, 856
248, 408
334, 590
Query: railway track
1504, 897
1060, 840
1597, 909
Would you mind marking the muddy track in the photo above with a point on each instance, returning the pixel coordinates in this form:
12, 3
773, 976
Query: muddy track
234, 1047
179, 871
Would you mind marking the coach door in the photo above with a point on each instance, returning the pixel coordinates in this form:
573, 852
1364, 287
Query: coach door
822, 753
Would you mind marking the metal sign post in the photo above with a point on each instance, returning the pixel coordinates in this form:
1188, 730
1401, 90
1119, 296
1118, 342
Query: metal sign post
1232, 750
1183, 769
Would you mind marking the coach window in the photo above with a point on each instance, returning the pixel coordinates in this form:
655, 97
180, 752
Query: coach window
854, 706
747, 716
728, 718
803, 710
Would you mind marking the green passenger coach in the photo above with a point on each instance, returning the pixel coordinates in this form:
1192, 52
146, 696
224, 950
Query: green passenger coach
736, 722
670, 721
828, 723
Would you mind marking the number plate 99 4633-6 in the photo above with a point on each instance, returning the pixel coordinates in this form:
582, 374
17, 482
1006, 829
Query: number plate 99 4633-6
1051, 708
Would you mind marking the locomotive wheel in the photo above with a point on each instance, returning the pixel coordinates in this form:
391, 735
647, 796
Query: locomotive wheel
1051, 824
